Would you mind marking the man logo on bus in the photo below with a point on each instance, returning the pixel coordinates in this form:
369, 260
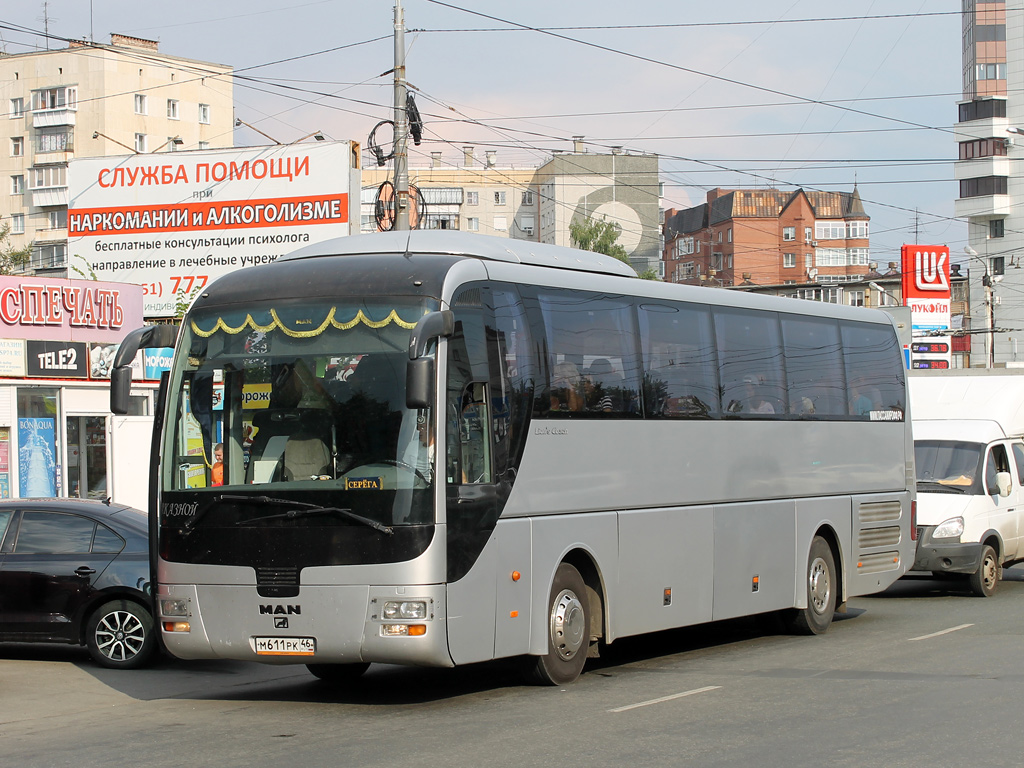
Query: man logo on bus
930, 271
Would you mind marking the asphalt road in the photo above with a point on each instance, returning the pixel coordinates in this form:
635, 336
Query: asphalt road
922, 675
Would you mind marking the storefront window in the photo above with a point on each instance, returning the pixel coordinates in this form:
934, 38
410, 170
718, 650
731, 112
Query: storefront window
37, 442
87, 457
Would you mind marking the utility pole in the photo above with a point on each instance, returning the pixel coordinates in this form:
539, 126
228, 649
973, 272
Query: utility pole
401, 201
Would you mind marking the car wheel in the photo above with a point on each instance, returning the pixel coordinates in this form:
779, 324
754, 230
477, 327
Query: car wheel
821, 592
338, 673
984, 580
119, 635
568, 630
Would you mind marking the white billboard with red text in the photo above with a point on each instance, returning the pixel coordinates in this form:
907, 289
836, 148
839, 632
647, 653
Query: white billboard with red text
175, 221
926, 290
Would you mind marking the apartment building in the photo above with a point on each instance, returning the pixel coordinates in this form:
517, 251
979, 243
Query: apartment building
534, 203
813, 241
990, 137
90, 100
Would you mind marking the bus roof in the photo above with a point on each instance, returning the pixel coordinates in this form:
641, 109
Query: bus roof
451, 243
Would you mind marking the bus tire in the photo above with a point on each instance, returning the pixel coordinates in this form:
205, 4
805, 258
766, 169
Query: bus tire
568, 630
338, 673
821, 592
984, 580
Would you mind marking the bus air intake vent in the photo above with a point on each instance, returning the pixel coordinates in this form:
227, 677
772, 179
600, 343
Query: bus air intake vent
878, 562
277, 581
880, 512
870, 538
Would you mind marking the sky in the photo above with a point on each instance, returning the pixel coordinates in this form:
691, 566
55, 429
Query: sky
737, 94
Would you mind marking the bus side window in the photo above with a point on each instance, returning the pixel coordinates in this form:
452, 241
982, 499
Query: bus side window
474, 436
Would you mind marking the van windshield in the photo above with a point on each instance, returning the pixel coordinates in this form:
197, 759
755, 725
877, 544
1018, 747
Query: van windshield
950, 464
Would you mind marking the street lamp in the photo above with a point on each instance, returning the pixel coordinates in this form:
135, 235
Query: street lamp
97, 134
175, 140
990, 318
239, 121
318, 135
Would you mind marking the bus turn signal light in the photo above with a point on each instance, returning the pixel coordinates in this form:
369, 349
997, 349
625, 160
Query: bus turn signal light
176, 626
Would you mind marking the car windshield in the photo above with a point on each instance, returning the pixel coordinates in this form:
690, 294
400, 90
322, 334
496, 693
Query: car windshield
286, 397
949, 463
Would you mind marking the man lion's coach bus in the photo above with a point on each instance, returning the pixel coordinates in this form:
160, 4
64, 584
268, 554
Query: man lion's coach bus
436, 448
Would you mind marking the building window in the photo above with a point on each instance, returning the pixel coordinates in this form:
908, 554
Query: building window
499, 198
789, 233
140, 104
527, 197
996, 228
981, 109
808, 234
998, 265
48, 256
172, 145
204, 145
473, 224
140, 142
57, 218
55, 141
789, 260
729, 235
18, 224
172, 109
440, 221
716, 262
856, 230
719, 235
17, 146
55, 98
500, 223
985, 185
857, 257
204, 114
808, 260
994, 71
982, 148
856, 298
829, 230
17, 108
472, 198
47, 176
17, 184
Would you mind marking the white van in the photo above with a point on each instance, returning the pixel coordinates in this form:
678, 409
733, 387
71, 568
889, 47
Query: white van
969, 459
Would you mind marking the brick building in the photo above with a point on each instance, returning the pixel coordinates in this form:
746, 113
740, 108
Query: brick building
768, 237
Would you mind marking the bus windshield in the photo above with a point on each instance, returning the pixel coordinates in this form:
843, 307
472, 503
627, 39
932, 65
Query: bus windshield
289, 396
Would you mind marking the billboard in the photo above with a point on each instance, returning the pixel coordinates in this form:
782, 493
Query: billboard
176, 221
926, 290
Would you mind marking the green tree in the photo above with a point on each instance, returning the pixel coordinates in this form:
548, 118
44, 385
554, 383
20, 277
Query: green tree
11, 259
600, 236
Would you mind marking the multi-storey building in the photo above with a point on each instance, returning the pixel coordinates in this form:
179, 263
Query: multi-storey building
768, 237
990, 134
536, 204
89, 100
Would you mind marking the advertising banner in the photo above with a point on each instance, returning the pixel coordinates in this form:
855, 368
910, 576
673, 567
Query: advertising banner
37, 462
174, 222
53, 309
926, 290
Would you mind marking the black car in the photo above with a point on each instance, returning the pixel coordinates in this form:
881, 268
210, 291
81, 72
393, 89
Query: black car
77, 571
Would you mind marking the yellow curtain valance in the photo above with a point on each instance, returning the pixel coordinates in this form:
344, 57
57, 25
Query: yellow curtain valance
230, 327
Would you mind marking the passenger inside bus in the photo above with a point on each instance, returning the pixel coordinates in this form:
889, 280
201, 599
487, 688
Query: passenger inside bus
604, 392
753, 400
566, 388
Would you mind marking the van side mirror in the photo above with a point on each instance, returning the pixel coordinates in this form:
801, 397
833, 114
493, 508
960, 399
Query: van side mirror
1003, 483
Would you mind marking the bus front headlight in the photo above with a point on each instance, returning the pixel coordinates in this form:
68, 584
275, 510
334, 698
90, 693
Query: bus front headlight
949, 529
174, 607
405, 609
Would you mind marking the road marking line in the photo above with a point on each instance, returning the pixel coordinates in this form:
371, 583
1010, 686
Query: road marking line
666, 698
943, 632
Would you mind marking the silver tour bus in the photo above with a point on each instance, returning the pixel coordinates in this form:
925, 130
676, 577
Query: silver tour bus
437, 448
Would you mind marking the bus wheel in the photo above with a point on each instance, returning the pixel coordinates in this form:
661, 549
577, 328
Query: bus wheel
983, 583
568, 630
338, 673
821, 591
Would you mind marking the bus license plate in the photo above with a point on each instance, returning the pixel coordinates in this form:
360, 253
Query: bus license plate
284, 646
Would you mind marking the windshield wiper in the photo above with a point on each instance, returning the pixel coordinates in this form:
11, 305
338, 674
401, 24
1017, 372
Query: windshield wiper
933, 485
302, 509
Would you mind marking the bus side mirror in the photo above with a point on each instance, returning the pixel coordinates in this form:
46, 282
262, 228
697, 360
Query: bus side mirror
431, 326
419, 383
146, 337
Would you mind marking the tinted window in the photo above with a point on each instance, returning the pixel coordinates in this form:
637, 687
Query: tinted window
592, 355
106, 540
814, 367
54, 533
1018, 458
5, 520
681, 376
874, 371
750, 362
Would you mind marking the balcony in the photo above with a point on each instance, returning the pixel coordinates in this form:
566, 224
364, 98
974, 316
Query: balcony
981, 166
53, 118
983, 205
48, 196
